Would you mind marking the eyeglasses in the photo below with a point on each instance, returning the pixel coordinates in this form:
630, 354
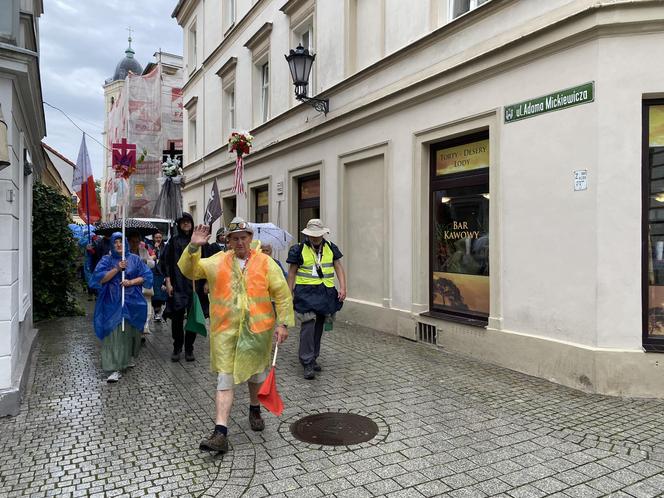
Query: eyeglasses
238, 226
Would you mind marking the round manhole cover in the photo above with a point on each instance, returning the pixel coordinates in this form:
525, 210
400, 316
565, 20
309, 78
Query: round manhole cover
334, 429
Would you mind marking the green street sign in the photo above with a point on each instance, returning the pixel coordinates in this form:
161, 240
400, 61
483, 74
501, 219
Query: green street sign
562, 99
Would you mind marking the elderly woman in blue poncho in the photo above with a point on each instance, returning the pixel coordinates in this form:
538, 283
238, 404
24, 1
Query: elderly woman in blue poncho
119, 348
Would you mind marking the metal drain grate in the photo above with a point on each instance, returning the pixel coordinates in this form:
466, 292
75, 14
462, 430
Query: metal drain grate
426, 333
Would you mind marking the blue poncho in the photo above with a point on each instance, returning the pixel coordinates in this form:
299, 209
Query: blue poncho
108, 310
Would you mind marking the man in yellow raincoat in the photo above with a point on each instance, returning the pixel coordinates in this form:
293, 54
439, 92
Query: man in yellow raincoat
243, 283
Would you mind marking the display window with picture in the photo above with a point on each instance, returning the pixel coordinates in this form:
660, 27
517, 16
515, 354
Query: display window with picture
653, 225
459, 231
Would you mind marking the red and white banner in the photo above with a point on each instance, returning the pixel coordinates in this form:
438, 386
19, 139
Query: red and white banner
84, 186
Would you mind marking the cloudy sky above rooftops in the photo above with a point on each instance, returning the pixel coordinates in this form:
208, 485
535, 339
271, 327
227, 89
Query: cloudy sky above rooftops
81, 42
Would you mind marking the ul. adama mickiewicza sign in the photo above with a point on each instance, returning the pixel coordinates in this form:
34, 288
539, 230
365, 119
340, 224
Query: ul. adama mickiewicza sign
556, 101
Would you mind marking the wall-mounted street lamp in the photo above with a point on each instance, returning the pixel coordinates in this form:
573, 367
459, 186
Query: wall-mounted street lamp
299, 63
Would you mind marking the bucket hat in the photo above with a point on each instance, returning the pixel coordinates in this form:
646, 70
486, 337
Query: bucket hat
315, 228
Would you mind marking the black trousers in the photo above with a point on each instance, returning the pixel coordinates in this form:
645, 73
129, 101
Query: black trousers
181, 337
311, 333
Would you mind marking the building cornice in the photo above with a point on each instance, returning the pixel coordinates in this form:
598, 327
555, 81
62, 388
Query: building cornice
183, 10
228, 67
193, 78
191, 102
576, 28
292, 6
259, 36
298, 10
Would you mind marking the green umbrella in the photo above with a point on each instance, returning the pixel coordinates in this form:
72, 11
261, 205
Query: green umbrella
195, 317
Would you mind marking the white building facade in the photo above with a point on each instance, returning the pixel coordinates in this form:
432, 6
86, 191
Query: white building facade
21, 102
488, 168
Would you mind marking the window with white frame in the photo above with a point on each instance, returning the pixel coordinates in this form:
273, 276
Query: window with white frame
460, 7
227, 75
229, 14
305, 37
191, 48
301, 14
191, 135
231, 108
265, 91
228, 109
259, 44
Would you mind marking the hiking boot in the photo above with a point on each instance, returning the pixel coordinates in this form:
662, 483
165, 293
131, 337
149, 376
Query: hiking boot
114, 377
309, 373
317, 367
256, 421
175, 356
216, 442
189, 356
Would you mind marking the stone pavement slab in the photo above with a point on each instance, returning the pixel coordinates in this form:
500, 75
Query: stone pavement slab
448, 426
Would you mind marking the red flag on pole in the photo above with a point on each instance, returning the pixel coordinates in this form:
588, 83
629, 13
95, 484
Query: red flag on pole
84, 186
268, 394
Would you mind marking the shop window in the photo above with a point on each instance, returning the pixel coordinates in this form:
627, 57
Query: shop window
261, 197
308, 201
459, 198
653, 226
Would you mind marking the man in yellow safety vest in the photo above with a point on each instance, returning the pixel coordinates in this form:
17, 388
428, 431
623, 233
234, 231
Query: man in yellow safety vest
312, 267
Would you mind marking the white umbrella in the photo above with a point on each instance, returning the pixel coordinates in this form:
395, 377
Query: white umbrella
269, 233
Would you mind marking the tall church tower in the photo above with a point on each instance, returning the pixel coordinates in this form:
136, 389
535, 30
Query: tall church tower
112, 88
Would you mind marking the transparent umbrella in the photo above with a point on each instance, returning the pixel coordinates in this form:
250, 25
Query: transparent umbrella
269, 233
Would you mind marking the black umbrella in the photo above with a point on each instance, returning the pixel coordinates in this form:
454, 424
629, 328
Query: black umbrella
131, 225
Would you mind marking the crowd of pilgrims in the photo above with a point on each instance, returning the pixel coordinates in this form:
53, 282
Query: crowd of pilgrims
154, 290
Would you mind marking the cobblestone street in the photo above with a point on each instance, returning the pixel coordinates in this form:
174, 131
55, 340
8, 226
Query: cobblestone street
447, 426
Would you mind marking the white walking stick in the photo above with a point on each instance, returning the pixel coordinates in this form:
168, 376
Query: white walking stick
123, 271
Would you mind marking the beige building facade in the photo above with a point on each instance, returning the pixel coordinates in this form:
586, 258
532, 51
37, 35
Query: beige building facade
487, 168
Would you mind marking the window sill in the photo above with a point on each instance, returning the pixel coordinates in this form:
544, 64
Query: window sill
448, 317
654, 347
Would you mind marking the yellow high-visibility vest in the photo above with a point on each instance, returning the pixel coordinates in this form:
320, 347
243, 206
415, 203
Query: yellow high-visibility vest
306, 273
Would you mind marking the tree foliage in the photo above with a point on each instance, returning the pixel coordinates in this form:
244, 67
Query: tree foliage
55, 255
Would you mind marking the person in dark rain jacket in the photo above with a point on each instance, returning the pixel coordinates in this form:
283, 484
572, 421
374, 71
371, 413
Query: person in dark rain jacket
178, 288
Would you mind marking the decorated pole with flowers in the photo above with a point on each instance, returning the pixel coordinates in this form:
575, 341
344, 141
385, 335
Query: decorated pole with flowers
124, 165
171, 181
240, 143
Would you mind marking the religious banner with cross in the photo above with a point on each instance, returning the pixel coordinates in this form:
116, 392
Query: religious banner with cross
171, 181
173, 152
124, 159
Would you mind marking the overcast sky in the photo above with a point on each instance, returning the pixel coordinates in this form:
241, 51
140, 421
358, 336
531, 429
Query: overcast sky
81, 43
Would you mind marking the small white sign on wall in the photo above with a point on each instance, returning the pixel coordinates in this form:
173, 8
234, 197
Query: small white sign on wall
581, 179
